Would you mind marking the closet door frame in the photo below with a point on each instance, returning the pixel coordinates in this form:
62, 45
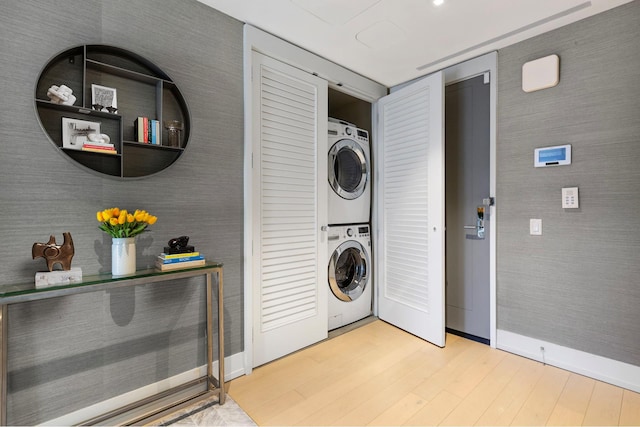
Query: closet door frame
486, 65
348, 82
338, 78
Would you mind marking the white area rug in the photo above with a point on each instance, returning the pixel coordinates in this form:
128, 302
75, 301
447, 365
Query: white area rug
209, 413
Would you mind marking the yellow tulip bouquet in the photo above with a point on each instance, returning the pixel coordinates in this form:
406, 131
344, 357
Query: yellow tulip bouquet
119, 223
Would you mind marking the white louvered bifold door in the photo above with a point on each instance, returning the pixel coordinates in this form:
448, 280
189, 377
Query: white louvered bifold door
410, 207
289, 208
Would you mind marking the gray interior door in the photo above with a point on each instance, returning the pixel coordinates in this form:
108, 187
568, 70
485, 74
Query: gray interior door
466, 185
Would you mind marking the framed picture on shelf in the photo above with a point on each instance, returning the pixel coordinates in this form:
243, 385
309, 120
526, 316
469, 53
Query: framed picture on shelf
76, 132
104, 98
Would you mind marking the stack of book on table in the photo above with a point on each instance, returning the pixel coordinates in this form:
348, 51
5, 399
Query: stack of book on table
167, 262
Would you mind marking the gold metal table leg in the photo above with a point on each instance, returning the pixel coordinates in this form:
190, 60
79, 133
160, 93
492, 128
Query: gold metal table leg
210, 378
222, 394
4, 337
209, 335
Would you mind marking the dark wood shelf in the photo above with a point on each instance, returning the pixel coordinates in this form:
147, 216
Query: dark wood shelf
152, 146
78, 109
121, 72
91, 153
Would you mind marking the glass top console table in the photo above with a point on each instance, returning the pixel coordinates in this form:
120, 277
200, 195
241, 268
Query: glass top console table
145, 409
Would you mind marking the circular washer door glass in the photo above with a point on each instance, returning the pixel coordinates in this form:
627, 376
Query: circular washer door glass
348, 271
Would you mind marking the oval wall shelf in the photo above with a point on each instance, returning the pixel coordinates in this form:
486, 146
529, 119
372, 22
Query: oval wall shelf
129, 119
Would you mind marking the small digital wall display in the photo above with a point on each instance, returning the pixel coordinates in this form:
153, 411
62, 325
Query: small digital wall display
552, 156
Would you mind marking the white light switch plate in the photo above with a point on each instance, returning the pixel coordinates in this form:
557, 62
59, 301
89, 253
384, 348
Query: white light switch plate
570, 198
535, 227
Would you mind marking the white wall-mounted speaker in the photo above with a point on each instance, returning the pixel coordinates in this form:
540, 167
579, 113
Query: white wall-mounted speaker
541, 73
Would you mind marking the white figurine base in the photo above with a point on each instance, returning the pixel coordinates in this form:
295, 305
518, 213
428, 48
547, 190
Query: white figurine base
45, 279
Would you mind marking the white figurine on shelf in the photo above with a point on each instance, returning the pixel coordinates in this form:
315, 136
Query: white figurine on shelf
99, 138
61, 95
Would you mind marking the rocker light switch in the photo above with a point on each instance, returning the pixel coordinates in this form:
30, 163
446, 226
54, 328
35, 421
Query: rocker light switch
570, 198
535, 227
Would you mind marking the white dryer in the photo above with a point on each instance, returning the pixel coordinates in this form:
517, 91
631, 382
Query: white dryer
349, 173
349, 287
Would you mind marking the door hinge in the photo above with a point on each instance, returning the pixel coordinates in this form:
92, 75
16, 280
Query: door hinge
487, 77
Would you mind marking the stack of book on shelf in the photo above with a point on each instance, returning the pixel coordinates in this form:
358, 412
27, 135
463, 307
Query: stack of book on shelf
167, 262
99, 147
147, 130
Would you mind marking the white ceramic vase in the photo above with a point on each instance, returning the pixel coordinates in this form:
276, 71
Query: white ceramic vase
123, 256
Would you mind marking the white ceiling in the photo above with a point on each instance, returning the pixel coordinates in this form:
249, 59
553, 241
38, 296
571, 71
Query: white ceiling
393, 41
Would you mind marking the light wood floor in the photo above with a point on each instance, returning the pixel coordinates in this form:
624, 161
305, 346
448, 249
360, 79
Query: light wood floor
380, 375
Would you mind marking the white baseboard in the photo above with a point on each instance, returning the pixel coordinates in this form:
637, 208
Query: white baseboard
601, 368
233, 368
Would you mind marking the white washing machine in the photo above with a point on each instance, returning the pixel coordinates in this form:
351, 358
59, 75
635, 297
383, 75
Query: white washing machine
350, 290
349, 173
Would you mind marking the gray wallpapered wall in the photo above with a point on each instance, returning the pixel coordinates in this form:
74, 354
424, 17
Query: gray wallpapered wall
55, 363
577, 285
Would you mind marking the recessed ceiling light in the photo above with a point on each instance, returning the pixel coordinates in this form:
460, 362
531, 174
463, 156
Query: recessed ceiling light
438, 2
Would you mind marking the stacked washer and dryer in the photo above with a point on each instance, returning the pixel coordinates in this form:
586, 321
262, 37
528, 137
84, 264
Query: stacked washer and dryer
349, 236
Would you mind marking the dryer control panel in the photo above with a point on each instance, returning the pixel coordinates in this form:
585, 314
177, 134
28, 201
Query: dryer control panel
342, 232
358, 231
362, 135
344, 129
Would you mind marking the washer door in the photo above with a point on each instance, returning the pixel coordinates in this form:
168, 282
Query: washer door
347, 169
348, 271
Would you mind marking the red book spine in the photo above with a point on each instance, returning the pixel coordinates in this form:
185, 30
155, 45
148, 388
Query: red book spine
98, 147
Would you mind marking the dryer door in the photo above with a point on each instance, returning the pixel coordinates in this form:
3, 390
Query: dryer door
347, 169
349, 270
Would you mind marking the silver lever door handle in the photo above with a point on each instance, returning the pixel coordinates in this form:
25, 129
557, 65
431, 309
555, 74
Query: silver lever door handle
470, 227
